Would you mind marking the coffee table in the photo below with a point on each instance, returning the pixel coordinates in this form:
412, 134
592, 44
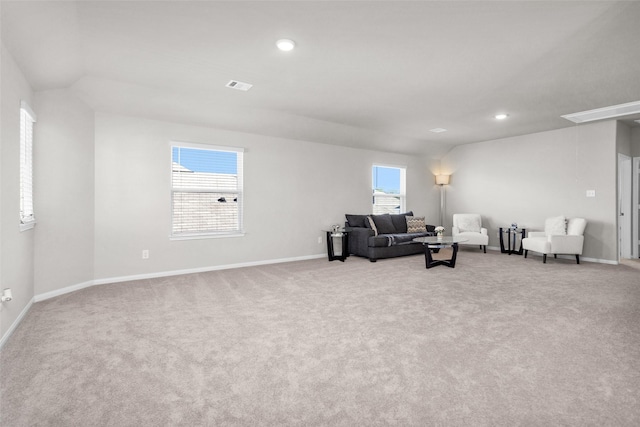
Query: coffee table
437, 243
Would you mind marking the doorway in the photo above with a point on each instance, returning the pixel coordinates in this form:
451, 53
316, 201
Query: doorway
635, 220
624, 207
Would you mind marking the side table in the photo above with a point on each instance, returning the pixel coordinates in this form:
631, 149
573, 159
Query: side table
512, 237
343, 235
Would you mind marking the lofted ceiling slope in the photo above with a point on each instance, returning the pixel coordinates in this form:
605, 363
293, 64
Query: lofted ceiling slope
376, 75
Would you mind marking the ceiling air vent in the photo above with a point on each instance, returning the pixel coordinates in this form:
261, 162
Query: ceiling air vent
604, 113
234, 84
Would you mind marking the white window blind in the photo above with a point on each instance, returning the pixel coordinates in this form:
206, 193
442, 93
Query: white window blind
206, 190
389, 189
27, 119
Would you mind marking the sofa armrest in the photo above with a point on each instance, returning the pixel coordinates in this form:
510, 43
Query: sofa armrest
359, 240
483, 231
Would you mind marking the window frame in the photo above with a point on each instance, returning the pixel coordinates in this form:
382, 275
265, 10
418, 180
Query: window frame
402, 191
239, 191
27, 121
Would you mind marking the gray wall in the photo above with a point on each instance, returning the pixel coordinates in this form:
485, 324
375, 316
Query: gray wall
623, 139
64, 192
635, 141
293, 190
16, 248
529, 178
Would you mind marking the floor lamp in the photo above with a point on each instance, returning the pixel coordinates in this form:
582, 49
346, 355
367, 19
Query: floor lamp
442, 180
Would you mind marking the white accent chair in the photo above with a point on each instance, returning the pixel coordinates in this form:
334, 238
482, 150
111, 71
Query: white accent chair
561, 236
470, 227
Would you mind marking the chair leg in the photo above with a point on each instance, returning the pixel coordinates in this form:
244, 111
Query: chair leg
555, 256
544, 258
526, 252
484, 248
578, 259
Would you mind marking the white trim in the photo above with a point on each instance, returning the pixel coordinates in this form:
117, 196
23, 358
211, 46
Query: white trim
15, 323
573, 257
204, 236
90, 283
68, 289
73, 288
635, 217
108, 280
204, 146
24, 226
25, 106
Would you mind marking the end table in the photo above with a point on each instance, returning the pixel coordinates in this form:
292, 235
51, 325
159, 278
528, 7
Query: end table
344, 236
512, 237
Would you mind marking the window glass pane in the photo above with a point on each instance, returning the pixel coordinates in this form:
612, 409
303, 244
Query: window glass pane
206, 191
388, 190
27, 119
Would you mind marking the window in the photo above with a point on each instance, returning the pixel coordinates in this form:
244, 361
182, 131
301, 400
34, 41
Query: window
389, 189
206, 190
27, 119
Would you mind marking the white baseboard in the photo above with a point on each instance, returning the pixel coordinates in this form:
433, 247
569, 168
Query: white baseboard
77, 287
15, 323
66, 290
73, 288
585, 259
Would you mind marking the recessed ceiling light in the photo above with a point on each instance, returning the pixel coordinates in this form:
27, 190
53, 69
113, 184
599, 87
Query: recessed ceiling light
437, 130
637, 121
604, 113
285, 44
501, 116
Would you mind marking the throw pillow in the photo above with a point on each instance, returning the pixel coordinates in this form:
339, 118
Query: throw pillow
555, 226
384, 224
399, 222
356, 220
415, 224
469, 223
372, 225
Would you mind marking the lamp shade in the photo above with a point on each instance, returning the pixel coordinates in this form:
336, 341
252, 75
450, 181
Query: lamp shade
442, 179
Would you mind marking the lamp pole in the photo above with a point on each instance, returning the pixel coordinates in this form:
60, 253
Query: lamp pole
442, 204
442, 180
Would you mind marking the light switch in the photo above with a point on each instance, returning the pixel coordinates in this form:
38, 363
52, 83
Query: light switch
591, 193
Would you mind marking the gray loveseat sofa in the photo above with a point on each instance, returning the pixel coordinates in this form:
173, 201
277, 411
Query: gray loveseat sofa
387, 237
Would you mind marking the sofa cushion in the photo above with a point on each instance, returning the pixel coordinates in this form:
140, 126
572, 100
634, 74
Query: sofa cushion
384, 240
380, 241
383, 224
415, 224
556, 226
356, 220
399, 221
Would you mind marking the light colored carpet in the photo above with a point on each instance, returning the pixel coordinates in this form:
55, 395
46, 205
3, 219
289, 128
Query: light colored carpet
498, 341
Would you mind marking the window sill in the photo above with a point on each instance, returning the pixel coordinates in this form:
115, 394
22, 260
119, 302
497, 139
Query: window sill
205, 236
27, 225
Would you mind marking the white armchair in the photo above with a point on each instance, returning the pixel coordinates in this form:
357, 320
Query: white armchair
561, 236
470, 227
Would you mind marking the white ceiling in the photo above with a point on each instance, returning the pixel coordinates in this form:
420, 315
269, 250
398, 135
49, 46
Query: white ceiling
364, 74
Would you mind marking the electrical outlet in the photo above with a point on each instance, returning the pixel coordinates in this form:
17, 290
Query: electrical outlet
145, 254
320, 240
591, 193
